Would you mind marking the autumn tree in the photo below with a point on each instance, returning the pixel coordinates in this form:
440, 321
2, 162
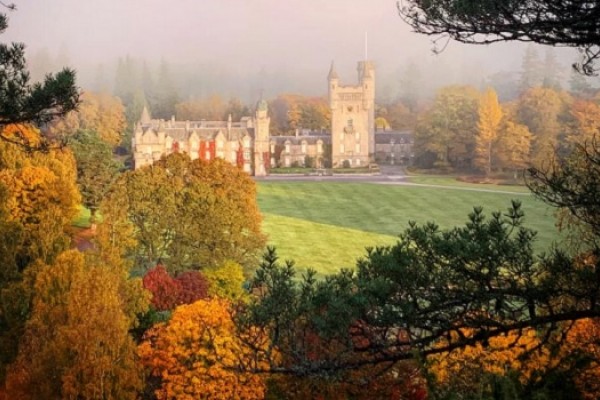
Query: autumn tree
490, 115
513, 145
543, 111
98, 112
212, 108
517, 366
188, 214
42, 195
76, 342
195, 355
165, 290
226, 281
447, 130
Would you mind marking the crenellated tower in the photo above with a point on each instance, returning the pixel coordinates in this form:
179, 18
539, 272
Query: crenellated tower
261, 139
352, 117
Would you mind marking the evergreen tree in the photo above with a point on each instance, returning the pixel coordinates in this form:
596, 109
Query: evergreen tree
530, 69
166, 93
552, 76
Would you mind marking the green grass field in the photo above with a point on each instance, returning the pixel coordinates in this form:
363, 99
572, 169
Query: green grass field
327, 225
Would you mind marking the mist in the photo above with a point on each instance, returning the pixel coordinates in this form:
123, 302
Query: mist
249, 49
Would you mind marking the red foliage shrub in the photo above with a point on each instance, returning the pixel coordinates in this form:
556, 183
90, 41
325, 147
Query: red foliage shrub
165, 290
194, 286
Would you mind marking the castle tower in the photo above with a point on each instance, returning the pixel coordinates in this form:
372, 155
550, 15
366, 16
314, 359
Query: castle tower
352, 118
261, 139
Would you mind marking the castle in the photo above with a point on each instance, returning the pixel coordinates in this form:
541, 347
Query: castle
351, 142
244, 143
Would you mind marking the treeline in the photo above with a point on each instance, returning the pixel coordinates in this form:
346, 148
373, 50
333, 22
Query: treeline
464, 129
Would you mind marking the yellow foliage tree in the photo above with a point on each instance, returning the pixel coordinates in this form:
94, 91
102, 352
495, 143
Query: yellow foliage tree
586, 122
226, 281
76, 342
99, 112
513, 143
196, 355
490, 115
42, 195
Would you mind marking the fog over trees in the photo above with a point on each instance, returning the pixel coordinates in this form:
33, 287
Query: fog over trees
264, 47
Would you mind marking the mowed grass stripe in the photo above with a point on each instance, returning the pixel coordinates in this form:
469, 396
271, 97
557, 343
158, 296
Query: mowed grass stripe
327, 218
325, 248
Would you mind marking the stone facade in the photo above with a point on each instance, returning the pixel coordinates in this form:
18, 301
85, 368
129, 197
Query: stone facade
244, 143
394, 147
304, 149
352, 118
352, 141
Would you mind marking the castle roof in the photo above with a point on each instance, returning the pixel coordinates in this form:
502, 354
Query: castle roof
205, 130
399, 137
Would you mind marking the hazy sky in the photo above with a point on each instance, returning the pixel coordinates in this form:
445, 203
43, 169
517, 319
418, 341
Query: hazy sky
244, 35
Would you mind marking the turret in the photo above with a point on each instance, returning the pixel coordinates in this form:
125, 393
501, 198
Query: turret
334, 80
145, 118
261, 138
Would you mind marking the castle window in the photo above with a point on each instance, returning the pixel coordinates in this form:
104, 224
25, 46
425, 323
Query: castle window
219, 144
357, 136
357, 148
272, 148
342, 149
350, 123
303, 147
287, 147
358, 162
246, 155
319, 147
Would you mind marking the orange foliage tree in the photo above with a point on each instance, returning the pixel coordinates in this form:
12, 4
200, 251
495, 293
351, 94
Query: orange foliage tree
196, 355
523, 356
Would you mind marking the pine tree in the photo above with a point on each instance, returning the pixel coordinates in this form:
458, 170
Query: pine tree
530, 69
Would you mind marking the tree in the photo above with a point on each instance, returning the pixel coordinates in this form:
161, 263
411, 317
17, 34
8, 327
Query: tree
195, 355
76, 342
24, 103
226, 281
42, 195
166, 93
448, 128
513, 148
543, 111
530, 70
101, 113
96, 169
552, 75
516, 366
551, 22
404, 299
490, 115
188, 214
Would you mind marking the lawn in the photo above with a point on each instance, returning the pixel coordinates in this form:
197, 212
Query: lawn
327, 225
